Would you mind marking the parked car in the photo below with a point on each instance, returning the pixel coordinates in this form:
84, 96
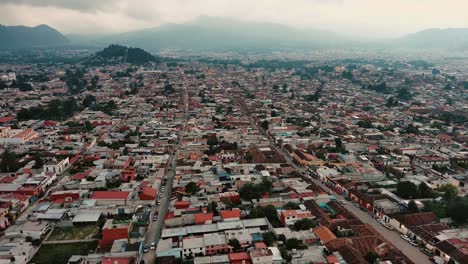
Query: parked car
145, 249
381, 221
155, 218
388, 226
158, 203
405, 237
342, 201
153, 245
426, 251
414, 243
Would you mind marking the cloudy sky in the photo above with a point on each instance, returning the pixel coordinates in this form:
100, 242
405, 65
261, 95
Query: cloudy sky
366, 18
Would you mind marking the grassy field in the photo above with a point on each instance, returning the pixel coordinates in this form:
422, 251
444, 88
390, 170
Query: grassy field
60, 253
74, 233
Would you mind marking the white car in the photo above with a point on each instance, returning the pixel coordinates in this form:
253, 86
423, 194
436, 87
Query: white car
388, 226
342, 201
414, 243
405, 237
381, 221
153, 245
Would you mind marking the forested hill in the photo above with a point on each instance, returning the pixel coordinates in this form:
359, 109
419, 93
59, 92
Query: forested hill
120, 54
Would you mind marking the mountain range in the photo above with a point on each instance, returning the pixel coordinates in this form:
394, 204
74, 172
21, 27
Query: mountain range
212, 33
26, 37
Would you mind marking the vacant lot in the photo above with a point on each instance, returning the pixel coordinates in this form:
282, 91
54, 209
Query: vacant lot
74, 233
60, 253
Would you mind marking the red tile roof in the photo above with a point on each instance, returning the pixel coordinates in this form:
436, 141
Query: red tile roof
225, 214
110, 195
6, 119
324, 234
239, 256
202, 218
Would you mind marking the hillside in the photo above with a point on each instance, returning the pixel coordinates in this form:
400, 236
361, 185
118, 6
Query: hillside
26, 37
440, 39
120, 54
212, 33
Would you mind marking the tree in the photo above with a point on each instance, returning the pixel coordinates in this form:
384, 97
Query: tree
406, 190
450, 191
412, 207
212, 208
291, 206
264, 125
269, 238
8, 163
38, 162
88, 100
191, 188
425, 191
268, 211
457, 209
212, 141
304, 224
235, 244
292, 243
227, 202
371, 257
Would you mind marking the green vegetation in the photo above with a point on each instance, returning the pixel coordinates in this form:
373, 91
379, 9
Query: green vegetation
74, 233
55, 110
409, 190
304, 224
8, 163
191, 188
269, 212
114, 54
60, 253
255, 191
235, 244
371, 257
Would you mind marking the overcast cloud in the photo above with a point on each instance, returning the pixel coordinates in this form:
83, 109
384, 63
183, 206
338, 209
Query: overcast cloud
368, 18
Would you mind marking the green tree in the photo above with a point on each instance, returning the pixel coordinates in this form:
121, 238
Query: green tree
457, 209
291, 206
235, 244
292, 243
38, 161
191, 188
268, 211
212, 141
304, 224
264, 125
88, 100
407, 190
425, 191
212, 208
227, 202
450, 191
269, 238
412, 207
371, 257
8, 163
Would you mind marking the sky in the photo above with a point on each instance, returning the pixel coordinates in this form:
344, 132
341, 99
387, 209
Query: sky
362, 18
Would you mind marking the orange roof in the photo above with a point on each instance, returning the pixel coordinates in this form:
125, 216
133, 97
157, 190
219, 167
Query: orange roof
150, 192
225, 214
239, 256
324, 234
202, 218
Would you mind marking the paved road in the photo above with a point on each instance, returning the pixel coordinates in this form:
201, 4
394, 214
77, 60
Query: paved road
153, 233
412, 252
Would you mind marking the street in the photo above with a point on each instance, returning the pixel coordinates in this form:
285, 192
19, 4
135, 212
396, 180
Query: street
412, 252
153, 234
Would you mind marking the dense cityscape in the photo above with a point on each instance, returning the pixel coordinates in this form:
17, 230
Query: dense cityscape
220, 160
233, 132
